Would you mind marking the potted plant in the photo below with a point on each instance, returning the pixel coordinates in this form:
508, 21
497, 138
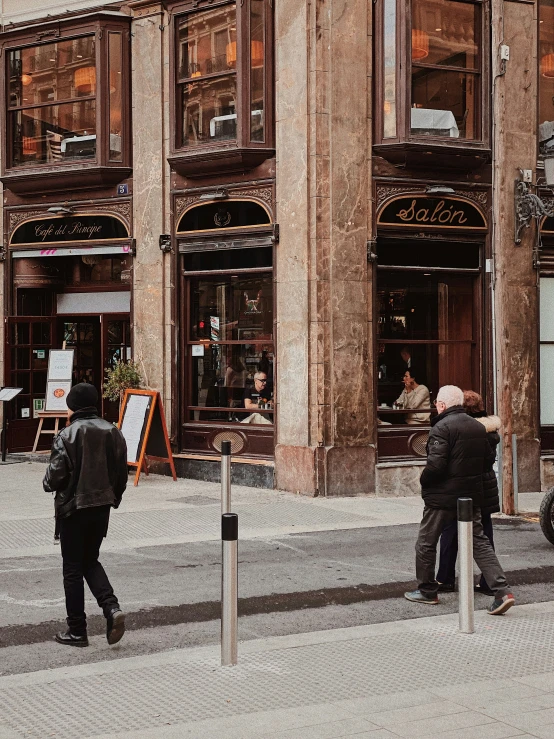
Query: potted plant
120, 377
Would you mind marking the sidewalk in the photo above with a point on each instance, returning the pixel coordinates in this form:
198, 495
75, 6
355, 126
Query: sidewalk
417, 678
160, 511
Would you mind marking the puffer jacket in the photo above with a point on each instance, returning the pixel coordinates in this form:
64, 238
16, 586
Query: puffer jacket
88, 464
458, 453
491, 500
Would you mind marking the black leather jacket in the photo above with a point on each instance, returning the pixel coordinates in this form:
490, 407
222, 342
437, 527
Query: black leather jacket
88, 464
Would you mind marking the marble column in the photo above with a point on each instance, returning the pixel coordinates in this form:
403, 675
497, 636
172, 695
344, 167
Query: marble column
325, 437
515, 146
152, 329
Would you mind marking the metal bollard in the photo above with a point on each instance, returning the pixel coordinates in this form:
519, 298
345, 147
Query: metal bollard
229, 588
465, 558
515, 473
225, 477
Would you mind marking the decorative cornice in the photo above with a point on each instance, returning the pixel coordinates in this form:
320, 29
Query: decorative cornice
384, 192
263, 194
122, 209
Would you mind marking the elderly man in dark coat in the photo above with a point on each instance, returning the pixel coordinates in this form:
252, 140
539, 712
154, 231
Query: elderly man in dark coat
458, 452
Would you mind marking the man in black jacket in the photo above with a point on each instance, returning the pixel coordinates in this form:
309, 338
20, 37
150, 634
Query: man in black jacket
457, 454
88, 473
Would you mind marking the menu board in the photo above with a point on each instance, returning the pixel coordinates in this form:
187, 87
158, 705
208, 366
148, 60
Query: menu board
9, 393
60, 364
56, 395
133, 424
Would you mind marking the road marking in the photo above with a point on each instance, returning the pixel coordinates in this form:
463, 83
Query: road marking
40, 603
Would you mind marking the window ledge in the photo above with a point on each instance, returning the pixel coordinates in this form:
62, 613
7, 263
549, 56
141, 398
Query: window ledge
461, 156
212, 162
30, 181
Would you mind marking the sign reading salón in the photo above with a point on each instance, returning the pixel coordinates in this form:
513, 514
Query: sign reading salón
69, 230
432, 213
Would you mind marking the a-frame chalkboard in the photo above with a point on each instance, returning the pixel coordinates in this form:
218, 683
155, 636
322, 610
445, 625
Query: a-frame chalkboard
142, 423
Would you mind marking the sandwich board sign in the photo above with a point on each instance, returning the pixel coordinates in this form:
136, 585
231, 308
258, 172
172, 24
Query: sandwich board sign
142, 423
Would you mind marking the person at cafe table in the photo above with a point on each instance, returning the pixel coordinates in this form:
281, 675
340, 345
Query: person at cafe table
258, 397
414, 396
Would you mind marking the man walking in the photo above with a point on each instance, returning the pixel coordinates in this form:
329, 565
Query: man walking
88, 473
457, 451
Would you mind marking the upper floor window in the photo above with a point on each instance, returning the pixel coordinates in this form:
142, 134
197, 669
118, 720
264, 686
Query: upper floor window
67, 97
546, 76
223, 94
438, 90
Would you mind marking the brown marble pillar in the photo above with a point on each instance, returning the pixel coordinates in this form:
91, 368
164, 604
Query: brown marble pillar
515, 146
325, 436
151, 284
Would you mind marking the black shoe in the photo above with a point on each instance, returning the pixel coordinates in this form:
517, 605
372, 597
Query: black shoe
73, 640
486, 591
447, 587
115, 625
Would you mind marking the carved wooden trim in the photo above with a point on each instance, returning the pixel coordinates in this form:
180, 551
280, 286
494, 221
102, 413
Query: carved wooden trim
261, 194
384, 192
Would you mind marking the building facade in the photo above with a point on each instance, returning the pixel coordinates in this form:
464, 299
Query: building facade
326, 195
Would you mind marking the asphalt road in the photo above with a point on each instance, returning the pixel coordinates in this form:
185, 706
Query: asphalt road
296, 583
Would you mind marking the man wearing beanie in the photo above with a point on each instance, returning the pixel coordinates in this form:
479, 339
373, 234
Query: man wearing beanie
88, 474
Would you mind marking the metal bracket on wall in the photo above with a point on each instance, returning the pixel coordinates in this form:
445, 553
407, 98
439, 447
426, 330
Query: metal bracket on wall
275, 237
165, 243
528, 206
2, 255
371, 255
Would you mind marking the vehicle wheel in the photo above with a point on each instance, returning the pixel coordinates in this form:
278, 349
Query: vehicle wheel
546, 515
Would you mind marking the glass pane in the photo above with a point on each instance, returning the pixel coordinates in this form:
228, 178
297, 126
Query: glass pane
389, 104
431, 365
392, 252
52, 72
547, 378
23, 379
70, 333
232, 309
425, 307
445, 33
21, 359
444, 103
40, 359
20, 334
257, 69
115, 332
209, 110
208, 42
546, 309
224, 377
41, 333
54, 133
546, 76
115, 68
39, 383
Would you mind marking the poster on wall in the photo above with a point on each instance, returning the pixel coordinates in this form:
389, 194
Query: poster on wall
56, 395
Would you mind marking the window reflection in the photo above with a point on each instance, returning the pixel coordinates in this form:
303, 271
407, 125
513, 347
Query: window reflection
208, 61
445, 101
389, 104
52, 90
546, 76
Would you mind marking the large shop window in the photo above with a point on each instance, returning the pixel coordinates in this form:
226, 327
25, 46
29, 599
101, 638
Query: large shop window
428, 328
223, 99
437, 92
67, 99
546, 76
231, 349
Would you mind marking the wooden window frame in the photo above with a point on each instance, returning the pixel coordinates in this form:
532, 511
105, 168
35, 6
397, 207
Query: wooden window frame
241, 154
97, 172
407, 147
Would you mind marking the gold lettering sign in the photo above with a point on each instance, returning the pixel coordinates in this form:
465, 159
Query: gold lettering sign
432, 212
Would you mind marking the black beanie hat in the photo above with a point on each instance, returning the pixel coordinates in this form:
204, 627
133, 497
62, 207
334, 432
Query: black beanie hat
82, 396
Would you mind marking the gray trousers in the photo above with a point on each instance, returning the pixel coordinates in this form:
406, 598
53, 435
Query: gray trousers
433, 522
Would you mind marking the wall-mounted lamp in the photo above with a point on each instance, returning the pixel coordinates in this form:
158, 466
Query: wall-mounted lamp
528, 205
439, 190
60, 209
220, 194
165, 243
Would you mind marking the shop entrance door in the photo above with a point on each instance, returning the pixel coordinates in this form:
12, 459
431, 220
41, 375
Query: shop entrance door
83, 335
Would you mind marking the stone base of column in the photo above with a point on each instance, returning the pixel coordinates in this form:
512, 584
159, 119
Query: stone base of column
325, 470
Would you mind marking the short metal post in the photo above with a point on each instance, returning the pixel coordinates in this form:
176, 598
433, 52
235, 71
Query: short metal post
225, 477
515, 473
4, 432
229, 588
465, 558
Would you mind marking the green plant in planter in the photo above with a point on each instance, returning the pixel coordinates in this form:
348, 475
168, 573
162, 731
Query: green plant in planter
120, 377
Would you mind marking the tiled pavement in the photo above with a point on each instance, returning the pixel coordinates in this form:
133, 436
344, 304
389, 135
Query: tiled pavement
417, 678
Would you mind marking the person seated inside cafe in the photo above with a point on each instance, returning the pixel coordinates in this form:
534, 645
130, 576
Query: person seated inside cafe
257, 397
414, 396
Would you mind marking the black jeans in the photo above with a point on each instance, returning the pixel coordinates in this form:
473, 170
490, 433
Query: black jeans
449, 550
432, 524
81, 535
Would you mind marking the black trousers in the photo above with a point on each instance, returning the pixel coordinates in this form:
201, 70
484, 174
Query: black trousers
81, 535
449, 550
432, 525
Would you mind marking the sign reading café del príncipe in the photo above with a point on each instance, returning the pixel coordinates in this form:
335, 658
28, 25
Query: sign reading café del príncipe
432, 212
69, 229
